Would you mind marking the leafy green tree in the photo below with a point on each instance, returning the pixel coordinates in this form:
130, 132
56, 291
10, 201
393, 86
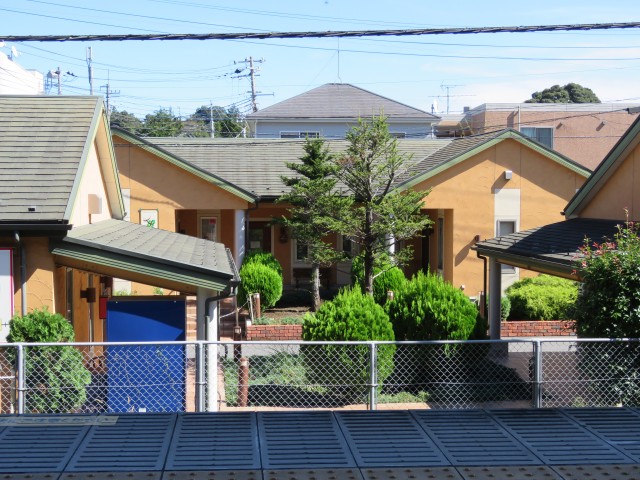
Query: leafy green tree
316, 208
227, 121
161, 123
56, 377
570, 93
381, 217
125, 120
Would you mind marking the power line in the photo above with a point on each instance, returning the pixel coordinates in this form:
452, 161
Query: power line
316, 34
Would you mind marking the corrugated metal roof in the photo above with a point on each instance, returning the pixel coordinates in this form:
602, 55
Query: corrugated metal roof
340, 100
42, 144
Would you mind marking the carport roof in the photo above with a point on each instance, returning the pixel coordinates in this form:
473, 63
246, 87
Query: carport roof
549, 249
134, 250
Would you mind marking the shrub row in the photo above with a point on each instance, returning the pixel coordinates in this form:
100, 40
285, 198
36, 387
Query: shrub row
260, 273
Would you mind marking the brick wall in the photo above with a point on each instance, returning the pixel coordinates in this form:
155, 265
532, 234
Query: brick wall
274, 332
537, 328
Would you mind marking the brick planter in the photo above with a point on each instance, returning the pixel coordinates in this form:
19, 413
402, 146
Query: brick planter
537, 328
274, 332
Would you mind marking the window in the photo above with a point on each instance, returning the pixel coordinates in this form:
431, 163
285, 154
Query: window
208, 228
299, 134
506, 227
348, 246
544, 135
300, 252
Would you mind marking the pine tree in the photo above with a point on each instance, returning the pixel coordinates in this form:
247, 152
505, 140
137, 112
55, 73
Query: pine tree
316, 207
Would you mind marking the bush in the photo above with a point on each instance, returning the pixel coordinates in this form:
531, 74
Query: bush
391, 279
505, 308
264, 258
344, 369
56, 377
428, 308
260, 278
542, 298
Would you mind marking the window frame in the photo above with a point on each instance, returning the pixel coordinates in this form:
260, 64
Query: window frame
536, 137
507, 269
293, 134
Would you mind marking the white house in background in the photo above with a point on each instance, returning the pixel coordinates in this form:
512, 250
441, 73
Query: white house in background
15, 80
329, 111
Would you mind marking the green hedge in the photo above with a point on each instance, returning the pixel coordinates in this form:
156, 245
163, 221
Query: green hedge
56, 377
428, 308
542, 298
344, 369
264, 258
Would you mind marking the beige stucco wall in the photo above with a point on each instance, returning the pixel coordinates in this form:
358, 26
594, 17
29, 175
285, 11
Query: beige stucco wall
40, 275
621, 191
90, 183
466, 194
157, 184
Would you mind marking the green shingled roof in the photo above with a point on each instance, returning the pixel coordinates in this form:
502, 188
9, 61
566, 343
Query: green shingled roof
150, 251
43, 141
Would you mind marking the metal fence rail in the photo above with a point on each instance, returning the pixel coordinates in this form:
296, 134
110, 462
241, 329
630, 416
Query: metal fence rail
210, 376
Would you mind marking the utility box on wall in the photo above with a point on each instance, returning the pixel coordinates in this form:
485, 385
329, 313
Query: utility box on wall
146, 378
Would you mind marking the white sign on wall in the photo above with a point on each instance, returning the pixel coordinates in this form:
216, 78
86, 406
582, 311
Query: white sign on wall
6, 292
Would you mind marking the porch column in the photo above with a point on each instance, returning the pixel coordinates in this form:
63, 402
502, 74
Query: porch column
495, 292
207, 328
240, 233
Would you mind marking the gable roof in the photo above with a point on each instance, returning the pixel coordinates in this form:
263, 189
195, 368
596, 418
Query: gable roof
44, 145
257, 165
155, 147
340, 100
604, 170
462, 148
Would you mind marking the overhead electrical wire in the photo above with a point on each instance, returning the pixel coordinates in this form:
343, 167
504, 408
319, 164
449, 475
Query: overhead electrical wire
317, 34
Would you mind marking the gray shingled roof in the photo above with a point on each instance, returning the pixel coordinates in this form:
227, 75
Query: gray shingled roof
256, 165
150, 251
43, 141
554, 245
340, 100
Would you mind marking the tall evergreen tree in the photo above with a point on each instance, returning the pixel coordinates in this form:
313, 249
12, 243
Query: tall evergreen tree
381, 217
316, 209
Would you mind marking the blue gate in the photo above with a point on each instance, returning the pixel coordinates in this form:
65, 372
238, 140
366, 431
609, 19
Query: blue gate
145, 378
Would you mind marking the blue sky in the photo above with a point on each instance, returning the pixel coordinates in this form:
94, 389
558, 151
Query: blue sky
183, 75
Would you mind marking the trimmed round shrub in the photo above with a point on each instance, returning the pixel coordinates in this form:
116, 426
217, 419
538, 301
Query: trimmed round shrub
542, 298
428, 308
392, 279
265, 258
344, 369
259, 278
56, 378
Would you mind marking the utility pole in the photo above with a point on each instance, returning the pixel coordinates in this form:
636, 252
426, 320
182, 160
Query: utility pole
89, 59
211, 124
108, 94
59, 73
252, 75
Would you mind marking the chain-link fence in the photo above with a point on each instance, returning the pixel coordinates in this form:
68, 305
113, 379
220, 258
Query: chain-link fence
209, 376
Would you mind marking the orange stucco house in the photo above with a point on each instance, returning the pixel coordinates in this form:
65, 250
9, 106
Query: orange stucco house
226, 189
593, 212
62, 234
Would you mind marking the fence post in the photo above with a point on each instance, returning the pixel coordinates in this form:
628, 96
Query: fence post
537, 374
21, 383
373, 376
200, 383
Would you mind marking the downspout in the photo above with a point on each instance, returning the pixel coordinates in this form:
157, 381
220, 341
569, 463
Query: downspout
484, 282
23, 274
